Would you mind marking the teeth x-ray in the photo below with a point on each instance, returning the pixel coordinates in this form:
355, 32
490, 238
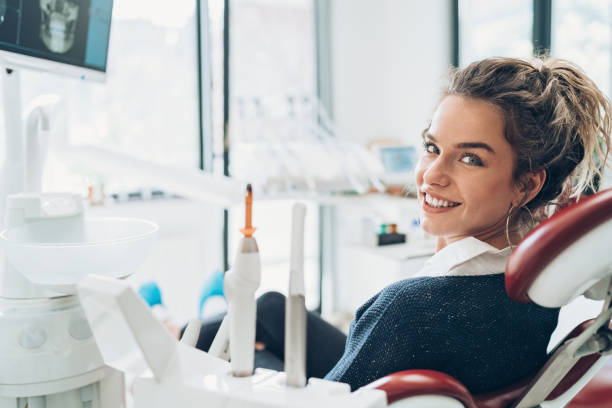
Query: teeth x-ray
58, 24
73, 32
2, 11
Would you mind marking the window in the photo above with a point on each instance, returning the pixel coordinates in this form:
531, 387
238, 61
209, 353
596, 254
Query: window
582, 33
271, 64
148, 105
494, 29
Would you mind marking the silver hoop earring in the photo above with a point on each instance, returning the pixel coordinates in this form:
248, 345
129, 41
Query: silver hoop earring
512, 207
533, 221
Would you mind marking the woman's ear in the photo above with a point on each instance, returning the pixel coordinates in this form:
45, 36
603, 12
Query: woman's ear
530, 185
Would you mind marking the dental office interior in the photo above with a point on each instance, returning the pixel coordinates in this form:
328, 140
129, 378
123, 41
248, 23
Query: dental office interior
130, 132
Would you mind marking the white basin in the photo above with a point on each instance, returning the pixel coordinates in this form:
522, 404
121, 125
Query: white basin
58, 253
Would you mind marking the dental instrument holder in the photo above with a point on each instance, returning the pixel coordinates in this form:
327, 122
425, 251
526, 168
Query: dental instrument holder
295, 309
130, 339
241, 282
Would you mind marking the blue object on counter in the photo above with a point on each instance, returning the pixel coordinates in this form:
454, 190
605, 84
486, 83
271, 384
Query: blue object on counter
151, 293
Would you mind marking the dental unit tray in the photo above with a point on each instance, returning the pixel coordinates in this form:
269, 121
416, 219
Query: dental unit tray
58, 253
171, 374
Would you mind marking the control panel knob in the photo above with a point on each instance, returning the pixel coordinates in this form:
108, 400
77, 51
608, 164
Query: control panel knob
32, 337
79, 328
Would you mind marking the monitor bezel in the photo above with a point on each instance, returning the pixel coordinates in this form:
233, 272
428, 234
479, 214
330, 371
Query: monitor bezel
14, 60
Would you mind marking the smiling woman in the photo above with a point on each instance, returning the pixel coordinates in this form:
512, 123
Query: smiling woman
507, 135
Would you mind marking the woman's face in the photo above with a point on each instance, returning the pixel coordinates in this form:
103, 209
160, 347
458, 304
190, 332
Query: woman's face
464, 176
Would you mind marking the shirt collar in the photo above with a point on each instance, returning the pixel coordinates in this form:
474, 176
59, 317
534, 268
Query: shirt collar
466, 257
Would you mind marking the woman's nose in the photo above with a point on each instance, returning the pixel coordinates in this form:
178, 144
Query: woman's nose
436, 172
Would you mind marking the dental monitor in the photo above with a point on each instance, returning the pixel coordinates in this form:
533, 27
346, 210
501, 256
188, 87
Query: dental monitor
68, 37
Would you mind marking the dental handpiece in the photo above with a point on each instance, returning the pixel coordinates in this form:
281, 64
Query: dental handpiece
240, 284
295, 308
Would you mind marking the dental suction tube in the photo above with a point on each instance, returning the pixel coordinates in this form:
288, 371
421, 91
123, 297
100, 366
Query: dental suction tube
295, 309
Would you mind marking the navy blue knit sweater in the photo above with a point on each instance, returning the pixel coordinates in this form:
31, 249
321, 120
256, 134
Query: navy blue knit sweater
464, 326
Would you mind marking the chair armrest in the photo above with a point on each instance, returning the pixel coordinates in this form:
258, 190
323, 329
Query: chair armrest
411, 383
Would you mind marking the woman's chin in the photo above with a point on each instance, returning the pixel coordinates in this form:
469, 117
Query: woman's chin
433, 229
441, 230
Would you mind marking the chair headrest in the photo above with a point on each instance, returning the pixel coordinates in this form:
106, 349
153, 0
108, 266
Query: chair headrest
565, 255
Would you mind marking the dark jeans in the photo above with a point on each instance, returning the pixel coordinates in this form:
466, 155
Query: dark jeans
325, 343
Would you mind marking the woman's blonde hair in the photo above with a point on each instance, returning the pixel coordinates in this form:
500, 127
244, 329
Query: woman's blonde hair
556, 119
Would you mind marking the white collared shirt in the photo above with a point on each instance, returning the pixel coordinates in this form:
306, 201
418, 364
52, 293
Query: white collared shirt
466, 257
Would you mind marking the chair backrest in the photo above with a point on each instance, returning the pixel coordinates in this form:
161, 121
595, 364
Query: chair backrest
567, 256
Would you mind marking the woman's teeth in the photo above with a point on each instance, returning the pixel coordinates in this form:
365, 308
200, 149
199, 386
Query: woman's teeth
434, 202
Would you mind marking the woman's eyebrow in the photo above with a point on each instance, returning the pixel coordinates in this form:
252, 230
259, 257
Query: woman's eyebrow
475, 145
465, 145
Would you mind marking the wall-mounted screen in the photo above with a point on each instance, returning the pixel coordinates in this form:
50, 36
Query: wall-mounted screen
398, 159
73, 32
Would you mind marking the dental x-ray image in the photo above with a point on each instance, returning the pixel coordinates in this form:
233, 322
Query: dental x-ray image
2, 10
62, 27
58, 20
9, 17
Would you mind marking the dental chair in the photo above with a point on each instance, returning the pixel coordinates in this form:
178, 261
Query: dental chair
568, 255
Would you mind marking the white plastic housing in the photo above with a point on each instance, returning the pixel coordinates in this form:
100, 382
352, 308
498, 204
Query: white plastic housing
240, 284
579, 267
186, 377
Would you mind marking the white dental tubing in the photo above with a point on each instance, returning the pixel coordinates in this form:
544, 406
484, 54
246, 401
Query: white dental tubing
295, 309
192, 332
220, 345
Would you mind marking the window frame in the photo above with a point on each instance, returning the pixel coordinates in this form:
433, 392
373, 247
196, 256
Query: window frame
541, 33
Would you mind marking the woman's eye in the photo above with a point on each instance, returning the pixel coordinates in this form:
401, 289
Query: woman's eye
472, 160
430, 148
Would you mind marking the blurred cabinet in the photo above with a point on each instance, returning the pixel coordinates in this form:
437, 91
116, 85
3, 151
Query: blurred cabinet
360, 270
367, 270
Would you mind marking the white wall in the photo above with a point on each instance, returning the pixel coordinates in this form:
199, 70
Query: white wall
389, 58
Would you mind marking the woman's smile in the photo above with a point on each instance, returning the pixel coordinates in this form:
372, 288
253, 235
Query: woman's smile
435, 204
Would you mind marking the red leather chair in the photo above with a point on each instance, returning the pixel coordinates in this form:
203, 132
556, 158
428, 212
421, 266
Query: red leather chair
566, 256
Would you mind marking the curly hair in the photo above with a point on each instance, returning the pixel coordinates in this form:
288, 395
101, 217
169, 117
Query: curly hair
556, 119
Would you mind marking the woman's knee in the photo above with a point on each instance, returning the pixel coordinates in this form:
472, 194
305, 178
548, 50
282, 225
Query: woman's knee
271, 303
